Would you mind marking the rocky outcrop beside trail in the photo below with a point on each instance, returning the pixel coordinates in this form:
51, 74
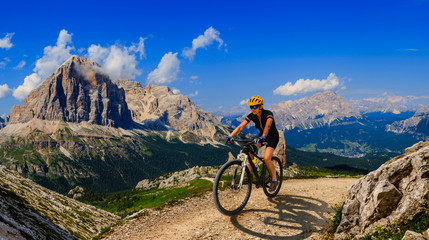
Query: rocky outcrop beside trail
393, 194
177, 178
29, 211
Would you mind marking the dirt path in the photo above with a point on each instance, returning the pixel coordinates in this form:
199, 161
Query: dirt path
302, 210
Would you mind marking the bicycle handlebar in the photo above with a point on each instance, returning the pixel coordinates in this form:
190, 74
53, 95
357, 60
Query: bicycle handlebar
247, 141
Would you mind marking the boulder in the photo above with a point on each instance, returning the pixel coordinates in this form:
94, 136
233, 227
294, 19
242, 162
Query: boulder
410, 235
394, 193
426, 234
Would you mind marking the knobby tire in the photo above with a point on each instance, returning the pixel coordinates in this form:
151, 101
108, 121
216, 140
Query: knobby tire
267, 177
228, 198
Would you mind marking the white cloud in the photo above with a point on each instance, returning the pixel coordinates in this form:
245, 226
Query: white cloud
4, 90
118, 61
20, 65
307, 85
167, 71
5, 42
244, 102
30, 82
176, 91
194, 94
203, 41
194, 77
53, 57
139, 48
4, 63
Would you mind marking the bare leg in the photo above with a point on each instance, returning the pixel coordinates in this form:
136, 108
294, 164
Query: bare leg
267, 158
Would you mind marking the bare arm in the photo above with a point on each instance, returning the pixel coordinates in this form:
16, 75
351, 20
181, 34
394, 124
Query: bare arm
267, 127
239, 128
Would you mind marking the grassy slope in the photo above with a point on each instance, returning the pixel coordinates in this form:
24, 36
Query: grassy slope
103, 164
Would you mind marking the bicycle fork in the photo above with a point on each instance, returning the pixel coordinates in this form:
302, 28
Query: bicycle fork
243, 158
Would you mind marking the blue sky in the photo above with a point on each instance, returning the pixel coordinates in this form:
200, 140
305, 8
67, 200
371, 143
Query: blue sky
222, 52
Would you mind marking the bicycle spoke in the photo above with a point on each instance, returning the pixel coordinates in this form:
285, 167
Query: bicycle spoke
230, 197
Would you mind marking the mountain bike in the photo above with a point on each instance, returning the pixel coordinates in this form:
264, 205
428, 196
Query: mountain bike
233, 182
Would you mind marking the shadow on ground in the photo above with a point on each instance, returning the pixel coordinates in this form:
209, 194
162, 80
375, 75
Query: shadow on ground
294, 217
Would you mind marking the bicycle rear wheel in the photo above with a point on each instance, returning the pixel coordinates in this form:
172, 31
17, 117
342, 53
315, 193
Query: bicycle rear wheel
228, 196
266, 176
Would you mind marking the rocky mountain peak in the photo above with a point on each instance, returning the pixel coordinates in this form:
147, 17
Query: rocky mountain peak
315, 111
159, 107
77, 91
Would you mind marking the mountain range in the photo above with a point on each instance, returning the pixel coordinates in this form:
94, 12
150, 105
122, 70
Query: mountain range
76, 128
418, 124
322, 109
326, 122
79, 127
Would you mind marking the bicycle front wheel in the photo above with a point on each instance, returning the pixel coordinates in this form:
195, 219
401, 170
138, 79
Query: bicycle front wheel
230, 194
278, 166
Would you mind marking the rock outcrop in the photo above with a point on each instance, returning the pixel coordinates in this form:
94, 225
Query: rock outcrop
395, 193
321, 109
157, 107
77, 91
29, 211
176, 178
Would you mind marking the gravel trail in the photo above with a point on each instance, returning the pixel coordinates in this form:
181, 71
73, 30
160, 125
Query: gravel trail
302, 210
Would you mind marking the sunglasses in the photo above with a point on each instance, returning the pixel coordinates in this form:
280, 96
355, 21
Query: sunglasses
254, 107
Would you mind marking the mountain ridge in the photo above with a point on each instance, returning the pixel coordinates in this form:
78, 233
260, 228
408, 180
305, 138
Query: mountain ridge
77, 91
311, 112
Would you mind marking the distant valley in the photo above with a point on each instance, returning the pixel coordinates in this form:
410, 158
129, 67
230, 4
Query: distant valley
80, 128
326, 122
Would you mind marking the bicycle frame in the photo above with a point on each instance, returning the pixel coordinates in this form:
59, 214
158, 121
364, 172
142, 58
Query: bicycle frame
232, 200
244, 155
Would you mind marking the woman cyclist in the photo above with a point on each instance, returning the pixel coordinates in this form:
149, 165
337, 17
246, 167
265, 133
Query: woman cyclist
264, 122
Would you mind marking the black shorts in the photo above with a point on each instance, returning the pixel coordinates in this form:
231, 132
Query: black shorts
273, 143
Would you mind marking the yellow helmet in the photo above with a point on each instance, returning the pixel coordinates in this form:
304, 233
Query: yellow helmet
255, 100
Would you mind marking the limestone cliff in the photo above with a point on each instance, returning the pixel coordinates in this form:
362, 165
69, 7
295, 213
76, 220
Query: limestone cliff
158, 107
77, 91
